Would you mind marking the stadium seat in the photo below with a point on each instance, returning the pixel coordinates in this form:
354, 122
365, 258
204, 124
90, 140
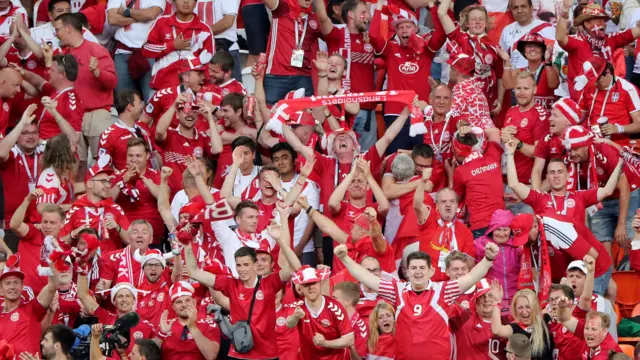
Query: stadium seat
617, 254
616, 308
628, 291
627, 349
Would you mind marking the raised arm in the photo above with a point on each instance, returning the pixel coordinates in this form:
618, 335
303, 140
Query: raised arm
325, 22
443, 16
163, 198
208, 348
610, 186
340, 193
216, 141
584, 302
46, 295
271, 4
425, 184
296, 190
476, 274
564, 314
227, 186
17, 224
503, 331
25, 34
293, 140
288, 261
51, 107
88, 301
562, 26
356, 270
392, 131
536, 173
325, 224
364, 167
393, 190
378, 240
521, 190
165, 120
12, 138
620, 233
205, 278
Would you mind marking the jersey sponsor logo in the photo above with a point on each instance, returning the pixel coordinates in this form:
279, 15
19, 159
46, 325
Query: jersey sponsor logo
197, 152
409, 68
149, 108
368, 47
524, 122
31, 65
599, 171
259, 295
160, 297
281, 321
571, 203
313, 24
615, 96
138, 335
15, 317
325, 322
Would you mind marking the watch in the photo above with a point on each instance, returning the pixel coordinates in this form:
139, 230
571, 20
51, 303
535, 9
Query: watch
127, 12
520, 145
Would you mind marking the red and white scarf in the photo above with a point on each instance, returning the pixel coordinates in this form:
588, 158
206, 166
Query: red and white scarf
574, 173
526, 278
125, 268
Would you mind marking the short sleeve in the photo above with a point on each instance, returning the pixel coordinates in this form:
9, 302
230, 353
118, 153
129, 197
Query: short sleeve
541, 128
388, 290
209, 329
532, 199
230, 7
104, 317
47, 89
281, 10
222, 284
342, 322
37, 310
589, 197
579, 332
542, 149
572, 43
31, 235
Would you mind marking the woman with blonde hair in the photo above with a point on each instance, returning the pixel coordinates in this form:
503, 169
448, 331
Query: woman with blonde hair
57, 180
528, 320
382, 332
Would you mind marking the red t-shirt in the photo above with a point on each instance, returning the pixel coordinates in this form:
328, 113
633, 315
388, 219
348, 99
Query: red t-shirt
474, 339
359, 55
19, 326
77, 5
602, 351
573, 204
146, 206
175, 348
177, 148
331, 321
151, 304
438, 136
144, 330
421, 321
263, 318
17, 172
479, 183
113, 142
567, 345
69, 106
550, 147
282, 41
579, 50
532, 126
231, 86
432, 242
288, 339
29, 248
361, 333
607, 158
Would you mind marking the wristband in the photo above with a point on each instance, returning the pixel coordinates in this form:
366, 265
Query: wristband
119, 228
548, 63
322, 75
489, 259
620, 128
309, 209
162, 335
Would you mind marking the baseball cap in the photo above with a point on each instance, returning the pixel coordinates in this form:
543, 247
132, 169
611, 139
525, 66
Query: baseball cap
519, 345
577, 264
520, 227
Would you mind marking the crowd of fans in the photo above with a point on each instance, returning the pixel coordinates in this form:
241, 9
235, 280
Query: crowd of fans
390, 182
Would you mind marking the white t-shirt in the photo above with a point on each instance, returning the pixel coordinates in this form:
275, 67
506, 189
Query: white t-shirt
212, 11
135, 34
514, 32
46, 33
312, 192
242, 182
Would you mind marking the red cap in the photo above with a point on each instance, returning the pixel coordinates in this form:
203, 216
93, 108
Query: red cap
193, 207
362, 220
577, 137
103, 165
482, 287
309, 275
181, 288
520, 227
463, 64
302, 117
12, 268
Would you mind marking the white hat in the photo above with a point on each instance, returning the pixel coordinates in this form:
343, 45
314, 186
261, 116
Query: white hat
577, 264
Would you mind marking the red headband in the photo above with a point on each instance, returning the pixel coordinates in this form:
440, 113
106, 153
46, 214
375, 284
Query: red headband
461, 149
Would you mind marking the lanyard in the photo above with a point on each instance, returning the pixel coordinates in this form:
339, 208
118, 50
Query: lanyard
299, 41
555, 207
336, 178
433, 140
604, 102
31, 176
56, 98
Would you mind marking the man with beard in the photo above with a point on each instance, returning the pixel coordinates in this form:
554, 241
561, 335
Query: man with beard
185, 140
221, 77
113, 141
525, 124
424, 322
56, 342
410, 68
564, 113
590, 40
96, 210
20, 320
154, 289
191, 335
590, 165
284, 158
19, 152
352, 43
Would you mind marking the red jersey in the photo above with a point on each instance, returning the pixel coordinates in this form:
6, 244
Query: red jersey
69, 106
144, 205
94, 93
263, 319
29, 62
29, 248
474, 339
113, 142
385, 348
599, 353
177, 148
438, 243
617, 104
56, 191
439, 136
231, 86
422, 320
485, 53
573, 204
162, 100
606, 159
144, 330
531, 126
285, 31
479, 182
174, 348
69, 306
361, 333
153, 301
19, 325
288, 339
359, 76
84, 212
566, 345
550, 147
406, 69
169, 61
21, 171
331, 321
5, 114
579, 49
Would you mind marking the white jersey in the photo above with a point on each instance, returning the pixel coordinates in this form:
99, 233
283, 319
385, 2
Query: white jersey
514, 32
135, 34
212, 11
312, 192
45, 33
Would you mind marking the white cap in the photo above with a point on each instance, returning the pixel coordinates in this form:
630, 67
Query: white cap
577, 264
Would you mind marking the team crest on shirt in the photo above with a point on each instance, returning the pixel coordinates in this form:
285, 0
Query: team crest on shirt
138, 335
464, 304
15, 317
615, 96
197, 152
313, 24
31, 65
446, 136
259, 295
225, 92
409, 68
368, 47
488, 59
571, 203
109, 216
160, 297
281, 321
5, 107
255, 183
524, 122
599, 171
325, 322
